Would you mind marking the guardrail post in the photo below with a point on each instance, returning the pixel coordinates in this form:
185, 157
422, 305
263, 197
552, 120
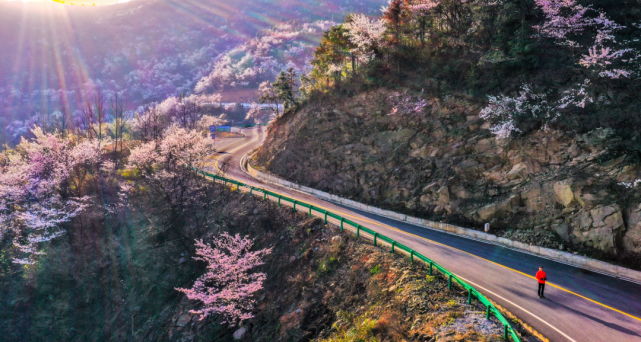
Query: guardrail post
505, 332
412, 256
342, 219
325, 216
449, 282
431, 263
279, 197
487, 312
294, 206
225, 183
375, 236
264, 195
251, 191
358, 231
393, 243
310, 210
469, 296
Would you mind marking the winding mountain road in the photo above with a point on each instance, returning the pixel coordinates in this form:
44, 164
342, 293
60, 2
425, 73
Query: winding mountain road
581, 306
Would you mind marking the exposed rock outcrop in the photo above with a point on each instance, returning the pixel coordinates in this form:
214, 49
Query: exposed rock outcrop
599, 228
445, 165
632, 236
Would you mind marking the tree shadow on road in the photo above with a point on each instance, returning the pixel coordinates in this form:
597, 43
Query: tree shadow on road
595, 319
557, 305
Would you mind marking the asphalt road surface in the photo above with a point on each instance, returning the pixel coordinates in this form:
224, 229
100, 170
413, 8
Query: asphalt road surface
581, 306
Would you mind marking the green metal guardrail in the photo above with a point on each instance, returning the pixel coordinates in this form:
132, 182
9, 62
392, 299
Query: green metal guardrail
377, 237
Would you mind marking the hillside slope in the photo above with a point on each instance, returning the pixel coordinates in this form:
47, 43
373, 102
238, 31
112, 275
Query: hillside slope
551, 188
321, 285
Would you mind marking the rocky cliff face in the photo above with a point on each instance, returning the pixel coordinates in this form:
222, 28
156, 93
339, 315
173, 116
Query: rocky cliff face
551, 188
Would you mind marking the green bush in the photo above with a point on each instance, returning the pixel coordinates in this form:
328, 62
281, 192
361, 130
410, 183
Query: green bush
375, 270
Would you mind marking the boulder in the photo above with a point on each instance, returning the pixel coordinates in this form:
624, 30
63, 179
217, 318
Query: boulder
532, 198
628, 174
632, 237
539, 153
599, 228
240, 333
443, 195
461, 192
494, 174
498, 210
583, 220
601, 214
183, 320
492, 158
563, 193
562, 229
484, 145
603, 238
423, 152
469, 166
586, 200
515, 157
519, 170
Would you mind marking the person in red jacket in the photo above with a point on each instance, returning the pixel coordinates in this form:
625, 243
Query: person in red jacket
541, 277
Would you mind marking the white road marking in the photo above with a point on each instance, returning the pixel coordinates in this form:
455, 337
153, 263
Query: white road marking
529, 313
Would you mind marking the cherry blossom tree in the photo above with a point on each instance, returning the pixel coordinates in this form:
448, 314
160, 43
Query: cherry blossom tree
503, 111
577, 97
255, 113
227, 288
563, 18
566, 20
179, 148
367, 34
166, 177
41, 185
246, 65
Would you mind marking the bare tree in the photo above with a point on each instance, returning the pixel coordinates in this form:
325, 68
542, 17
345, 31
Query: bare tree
150, 124
118, 106
187, 112
94, 116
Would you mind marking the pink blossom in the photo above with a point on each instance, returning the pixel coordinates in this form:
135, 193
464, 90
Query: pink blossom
226, 289
503, 110
407, 105
423, 7
178, 148
32, 180
576, 97
566, 17
364, 32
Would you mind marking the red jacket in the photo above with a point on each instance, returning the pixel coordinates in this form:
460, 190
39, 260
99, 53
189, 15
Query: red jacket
541, 277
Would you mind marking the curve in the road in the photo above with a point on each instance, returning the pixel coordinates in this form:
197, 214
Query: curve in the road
576, 316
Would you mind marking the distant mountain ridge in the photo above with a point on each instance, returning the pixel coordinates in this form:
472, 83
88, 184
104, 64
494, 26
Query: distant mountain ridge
54, 56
